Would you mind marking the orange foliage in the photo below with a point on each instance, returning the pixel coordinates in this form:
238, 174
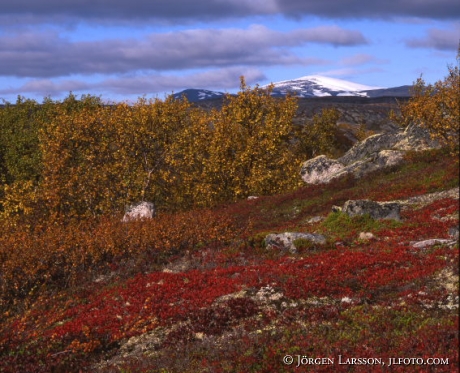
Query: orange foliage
60, 256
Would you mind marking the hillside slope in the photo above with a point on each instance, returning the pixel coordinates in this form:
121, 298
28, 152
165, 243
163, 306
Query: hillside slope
200, 292
373, 113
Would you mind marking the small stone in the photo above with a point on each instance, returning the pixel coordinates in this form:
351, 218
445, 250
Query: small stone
315, 219
366, 236
453, 233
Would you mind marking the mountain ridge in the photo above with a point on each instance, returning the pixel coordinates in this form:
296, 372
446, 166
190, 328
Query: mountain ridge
308, 87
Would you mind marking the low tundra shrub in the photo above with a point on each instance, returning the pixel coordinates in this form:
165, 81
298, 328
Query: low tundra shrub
62, 256
339, 224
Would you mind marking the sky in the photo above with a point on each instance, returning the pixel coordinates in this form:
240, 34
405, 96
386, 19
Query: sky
121, 50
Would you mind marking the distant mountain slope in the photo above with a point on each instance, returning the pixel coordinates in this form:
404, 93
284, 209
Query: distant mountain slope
195, 95
402, 91
320, 86
309, 86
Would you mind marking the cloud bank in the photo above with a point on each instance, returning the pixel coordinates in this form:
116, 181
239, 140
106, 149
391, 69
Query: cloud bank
439, 39
45, 55
135, 11
139, 84
207, 44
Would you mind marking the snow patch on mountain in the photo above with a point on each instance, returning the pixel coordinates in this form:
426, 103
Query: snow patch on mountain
320, 86
308, 86
195, 95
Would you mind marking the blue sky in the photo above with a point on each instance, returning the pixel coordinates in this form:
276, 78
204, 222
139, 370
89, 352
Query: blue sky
121, 50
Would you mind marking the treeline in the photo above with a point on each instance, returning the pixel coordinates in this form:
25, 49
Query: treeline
79, 157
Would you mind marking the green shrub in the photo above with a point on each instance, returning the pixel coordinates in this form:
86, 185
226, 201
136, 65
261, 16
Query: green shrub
303, 244
340, 225
258, 240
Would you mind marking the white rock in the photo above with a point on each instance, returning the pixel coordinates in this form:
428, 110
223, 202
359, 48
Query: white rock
320, 170
432, 242
366, 236
141, 210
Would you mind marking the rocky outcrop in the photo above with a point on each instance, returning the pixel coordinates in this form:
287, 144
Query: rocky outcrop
374, 162
286, 241
376, 210
431, 242
374, 153
319, 169
141, 210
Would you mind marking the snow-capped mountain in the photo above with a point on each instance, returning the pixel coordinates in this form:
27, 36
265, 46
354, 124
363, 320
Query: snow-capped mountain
195, 95
320, 86
309, 86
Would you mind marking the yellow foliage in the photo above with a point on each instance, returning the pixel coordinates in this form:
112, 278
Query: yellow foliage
436, 107
19, 200
363, 133
319, 137
250, 152
97, 158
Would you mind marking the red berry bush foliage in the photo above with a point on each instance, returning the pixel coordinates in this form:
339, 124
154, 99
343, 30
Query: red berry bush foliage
206, 294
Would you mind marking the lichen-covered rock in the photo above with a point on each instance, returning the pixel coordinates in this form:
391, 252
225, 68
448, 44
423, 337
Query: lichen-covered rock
416, 138
374, 153
377, 161
141, 210
431, 242
376, 210
369, 147
320, 170
285, 241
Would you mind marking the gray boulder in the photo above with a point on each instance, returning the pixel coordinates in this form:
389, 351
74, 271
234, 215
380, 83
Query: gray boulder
370, 146
285, 241
376, 161
374, 153
376, 210
141, 210
416, 138
412, 138
320, 170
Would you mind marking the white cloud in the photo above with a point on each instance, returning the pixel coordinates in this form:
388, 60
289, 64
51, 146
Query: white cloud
45, 55
227, 78
361, 59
